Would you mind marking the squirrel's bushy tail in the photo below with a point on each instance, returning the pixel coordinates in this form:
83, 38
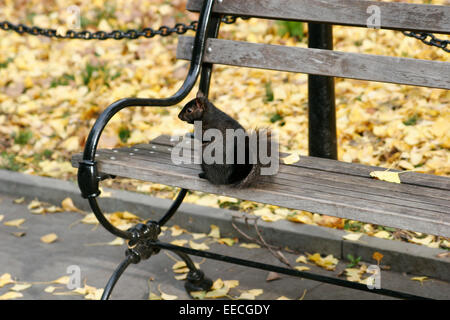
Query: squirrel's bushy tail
258, 138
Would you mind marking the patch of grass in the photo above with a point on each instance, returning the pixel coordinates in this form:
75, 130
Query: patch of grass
354, 226
353, 261
62, 81
411, 121
85, 22
292, 28
8, 162
23, 137
88, 73
107, 12
124, 134
4, 64
276, 117
269, 92
46, 154
30, 17
101, 71
382, 228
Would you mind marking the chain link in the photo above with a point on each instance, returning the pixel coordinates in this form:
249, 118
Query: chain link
429, 39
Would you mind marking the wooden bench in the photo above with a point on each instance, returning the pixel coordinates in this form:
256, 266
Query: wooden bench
420, 202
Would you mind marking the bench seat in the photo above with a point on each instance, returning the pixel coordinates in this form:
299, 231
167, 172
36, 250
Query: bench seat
420, 203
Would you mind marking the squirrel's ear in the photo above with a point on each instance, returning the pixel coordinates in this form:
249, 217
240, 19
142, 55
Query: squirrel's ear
200, 94
200, 101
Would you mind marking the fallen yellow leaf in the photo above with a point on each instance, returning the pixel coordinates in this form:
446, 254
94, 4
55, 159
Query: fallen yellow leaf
231, 283
246, 296
90, 219
352, 236
62, 280
129, 216
215, 232
329, 262
250, 245
302, 268
67, 205
165, 296
14, 223
19, 200
217, 284
179, 264
271, 218
218, 293
250, 294
20, 287
301, 259
425, 241
19, 234
104, 194
420, 279
386, 176
153, 296
300, 219
228, 241
198, 246
180, 242
50, 289
176, 231
49, 238
6, 279
383, 235
116, 242
198, 294
95, 294
181, 276
197, 236
11, 295
353, 274
292, 158
34, 204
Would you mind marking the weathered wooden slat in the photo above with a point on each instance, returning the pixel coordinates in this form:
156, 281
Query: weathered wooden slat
394, 15
143, 165
434, 74
134, 163
355, 169
400, 194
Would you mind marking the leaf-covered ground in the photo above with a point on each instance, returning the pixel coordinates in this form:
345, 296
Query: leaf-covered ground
58, 233
51, 92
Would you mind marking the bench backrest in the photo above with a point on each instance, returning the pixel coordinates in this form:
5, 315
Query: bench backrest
394, 15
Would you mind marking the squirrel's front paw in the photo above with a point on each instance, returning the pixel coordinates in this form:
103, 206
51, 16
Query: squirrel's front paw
202, 175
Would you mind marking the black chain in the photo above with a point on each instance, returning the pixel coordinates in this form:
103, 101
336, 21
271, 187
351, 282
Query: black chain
163, 31
429, 39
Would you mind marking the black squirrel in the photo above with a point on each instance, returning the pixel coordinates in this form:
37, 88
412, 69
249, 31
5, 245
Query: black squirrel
239, 174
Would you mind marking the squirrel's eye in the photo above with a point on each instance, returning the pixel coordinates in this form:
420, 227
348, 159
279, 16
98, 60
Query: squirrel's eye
189, 110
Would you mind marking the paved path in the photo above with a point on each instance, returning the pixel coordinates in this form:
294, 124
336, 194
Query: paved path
28, 259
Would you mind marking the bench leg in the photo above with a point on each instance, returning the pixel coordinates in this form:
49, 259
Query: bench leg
115, 277
196, 280
321, 100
